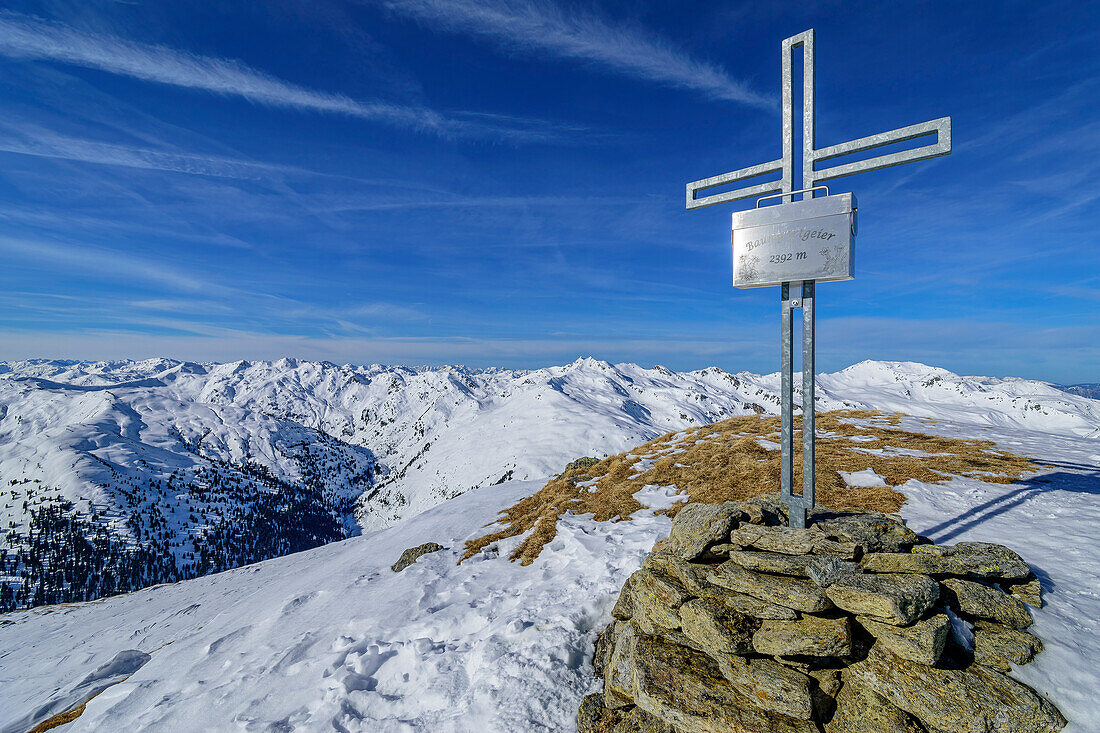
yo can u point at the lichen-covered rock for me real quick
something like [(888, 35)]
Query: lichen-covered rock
[(923, 642), (785, 540), (988, 602), (796, 593), (827, 570), (772, 562), (791, 541), (650, 598), (772, 508), (811, 636), (618, 675), (872, 531), (697, 526), (637, 720), (593, 716), (411, 555), (686, 689), (605, 644), (770, 685), (716, 628), (998, 646), (966, 559), (692, 576), (958, 700), (1028, 591), (716, 553), (749, 605), (581, 463), (903, 562), (859, 709), (897, 599), (828, 680), (751, 512), (841, 549)]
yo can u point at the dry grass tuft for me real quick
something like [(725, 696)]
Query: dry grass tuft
[(59, 720), (725, 462)]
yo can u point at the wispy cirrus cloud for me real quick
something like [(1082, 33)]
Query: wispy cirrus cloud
[(30, 38), (44, 144), (108, 263), (536, 26)]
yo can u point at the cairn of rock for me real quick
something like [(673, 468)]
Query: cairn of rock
[(737, 622)]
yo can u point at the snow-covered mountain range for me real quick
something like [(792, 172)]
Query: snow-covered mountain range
[(202, 467)]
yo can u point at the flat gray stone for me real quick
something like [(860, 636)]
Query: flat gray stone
[(697, 526), (771, 686), (715, 628), (750, 512), (617, 676), (904, 562), (958, 700), (650, 599), (897, 599), (749, 605), (692, 576), (686, 689), (1029, 591), (978, 560), (773, 562), (999, 647), (859, 709), (785, 540), (983, 601), (795, 593), (872, 531), (923, 642), (827, 570), (810, 636)]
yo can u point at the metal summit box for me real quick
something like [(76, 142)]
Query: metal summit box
[(803, 240)]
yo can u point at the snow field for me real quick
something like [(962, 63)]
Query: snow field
[(332, 639)]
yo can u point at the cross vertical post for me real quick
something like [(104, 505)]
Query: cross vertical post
[(798, 295), (773, 252)]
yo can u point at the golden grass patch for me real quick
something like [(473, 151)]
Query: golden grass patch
[(725, 462), (59, 720)]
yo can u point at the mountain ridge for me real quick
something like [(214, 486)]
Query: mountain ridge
[(175, 455)]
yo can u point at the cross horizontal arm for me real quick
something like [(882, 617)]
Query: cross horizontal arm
[(942, 146), (775, 166)]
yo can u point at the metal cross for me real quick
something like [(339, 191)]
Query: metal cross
[(801, 294)]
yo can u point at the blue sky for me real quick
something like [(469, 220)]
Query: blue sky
[(501, 183)]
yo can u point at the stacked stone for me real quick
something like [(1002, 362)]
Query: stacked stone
[(852, 625)]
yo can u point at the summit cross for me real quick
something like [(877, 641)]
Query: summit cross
[(800, 294)]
